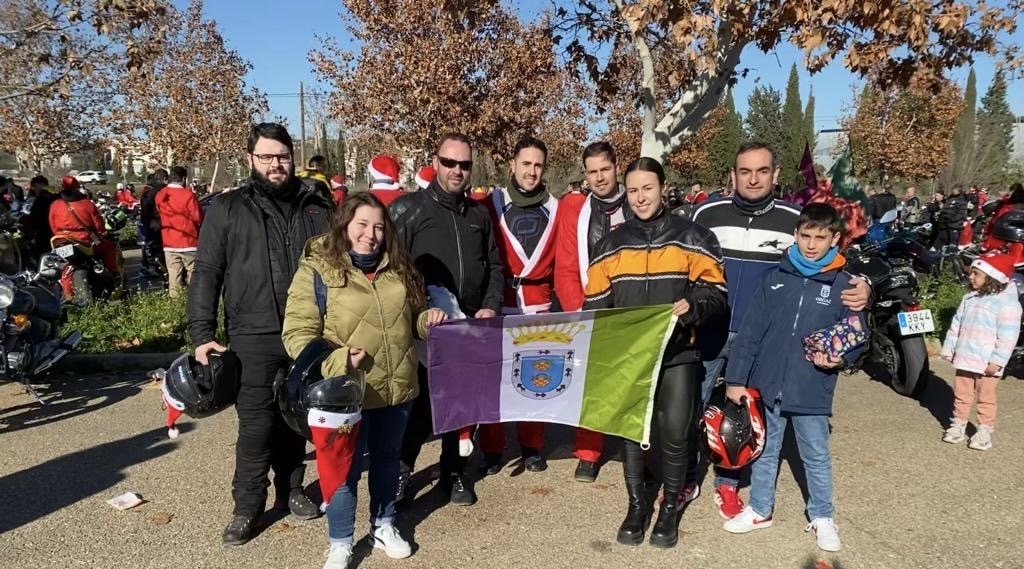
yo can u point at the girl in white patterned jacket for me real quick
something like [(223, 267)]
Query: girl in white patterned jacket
[(980, 343)]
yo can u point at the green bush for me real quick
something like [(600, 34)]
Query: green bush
[(941, 294), (144, 322), (128, 235)]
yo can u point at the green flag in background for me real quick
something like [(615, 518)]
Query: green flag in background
[(844, 185)]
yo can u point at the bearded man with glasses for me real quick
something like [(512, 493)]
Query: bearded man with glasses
[(451, 240), (249, 249)]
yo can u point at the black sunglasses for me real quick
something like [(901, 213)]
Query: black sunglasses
[(464, 165)]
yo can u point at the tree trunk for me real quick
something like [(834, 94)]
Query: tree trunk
[(213, 179)]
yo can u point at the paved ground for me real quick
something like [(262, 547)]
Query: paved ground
[(905, 499)]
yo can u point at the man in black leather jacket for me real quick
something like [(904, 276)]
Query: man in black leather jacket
[(951, 218), (451, 240), (249, 249)]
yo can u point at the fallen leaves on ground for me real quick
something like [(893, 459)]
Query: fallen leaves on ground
[(161, 518)]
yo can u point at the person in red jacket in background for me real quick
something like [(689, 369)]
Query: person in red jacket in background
[(73, 216), (697, 195), (339, 191), (424, 176), (180, 217), (584, 220), (383, 171), (1013, 201), (126, 196)]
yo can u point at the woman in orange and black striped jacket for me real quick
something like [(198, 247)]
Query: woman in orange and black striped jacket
[(660, 258)]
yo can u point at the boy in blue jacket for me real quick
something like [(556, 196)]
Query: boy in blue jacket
[(794, 300)]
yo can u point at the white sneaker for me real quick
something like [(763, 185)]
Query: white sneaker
[(982, 440), (338, 556), (825, 533), (386, 537), (747, 521), (956, 432)]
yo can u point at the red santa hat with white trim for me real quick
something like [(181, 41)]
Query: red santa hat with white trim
[(999, 266), (383, 171), (175, 409), (425, 176), (334, 436)]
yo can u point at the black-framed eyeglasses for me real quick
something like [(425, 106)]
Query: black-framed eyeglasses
[(464, 165), (269, 158)]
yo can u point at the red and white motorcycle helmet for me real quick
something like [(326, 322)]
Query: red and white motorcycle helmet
[(735, 433)]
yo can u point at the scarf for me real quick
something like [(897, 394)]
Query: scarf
[(610, 204), (520, 197), (809, 268), (366, 262), (753, 209)]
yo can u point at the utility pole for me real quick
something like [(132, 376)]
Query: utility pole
[(302, 125)]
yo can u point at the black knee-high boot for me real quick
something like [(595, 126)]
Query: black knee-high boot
[(675, 403), (631, 532)]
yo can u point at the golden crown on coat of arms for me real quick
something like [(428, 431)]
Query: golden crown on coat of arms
[(563, 333)]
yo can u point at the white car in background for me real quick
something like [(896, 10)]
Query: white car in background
[(91, 177)]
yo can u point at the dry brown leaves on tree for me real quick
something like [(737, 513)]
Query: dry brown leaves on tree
[(904, 132), (430, 67), (199, 108), (900, 42)]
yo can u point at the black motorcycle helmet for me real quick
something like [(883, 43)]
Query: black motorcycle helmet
[(1010, 226), (202, 390), (673, 198), (306, 388)]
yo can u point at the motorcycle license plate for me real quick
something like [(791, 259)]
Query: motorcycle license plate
[(916, 322), (65, 251)]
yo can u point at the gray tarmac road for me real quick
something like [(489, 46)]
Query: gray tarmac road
[(905, 499)]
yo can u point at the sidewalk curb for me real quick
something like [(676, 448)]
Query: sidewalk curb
[(94, 363)]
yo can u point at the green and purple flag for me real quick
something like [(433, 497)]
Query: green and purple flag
[(844, 184), (592, 369)]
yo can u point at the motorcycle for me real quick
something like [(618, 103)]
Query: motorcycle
[(896, 320), (31, 312), (83, 277)]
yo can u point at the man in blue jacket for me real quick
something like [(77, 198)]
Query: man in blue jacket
[(796, 383)]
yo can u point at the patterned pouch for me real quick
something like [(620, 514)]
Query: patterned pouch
[(836, 340)]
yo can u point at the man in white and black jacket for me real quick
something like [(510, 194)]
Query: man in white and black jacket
[(452, 243), (754, 230), (249, 249)]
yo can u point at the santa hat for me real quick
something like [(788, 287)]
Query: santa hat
[(425, 176), (174, 408), (334, 436), (383, 171), (337, 182), (999, 266)]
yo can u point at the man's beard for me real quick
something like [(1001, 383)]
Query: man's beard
[(270, 187)]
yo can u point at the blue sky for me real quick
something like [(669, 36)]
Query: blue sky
[(276, 38)]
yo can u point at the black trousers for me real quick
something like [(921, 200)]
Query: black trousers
[(946, 237), (675, 402), (420, 428), (265, 441)]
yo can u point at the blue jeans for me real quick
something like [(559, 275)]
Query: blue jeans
[(812, 442), (713, 369), (380, 434)]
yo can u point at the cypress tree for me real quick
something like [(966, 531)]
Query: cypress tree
[(809, 130), (995, 133), (793, 131), (764, 117)]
